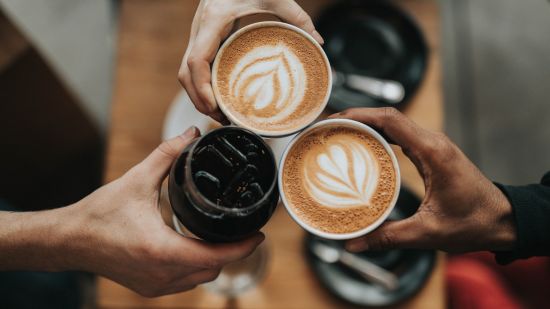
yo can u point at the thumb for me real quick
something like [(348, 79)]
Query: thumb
[(158, 163), (406, 233)]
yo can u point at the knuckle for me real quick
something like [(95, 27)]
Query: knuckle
[(168, 149), (382, 241), (211, 10), (437, 141), (192, 61), (214, 263), (203, 109), (207, 13), (149, 293), (209, 109), (182, 77), (187, 288), (160, 278), (440, 148), (387, 241), (212, 276), (350, 112), (391, 113), (265, 5), (211, 261), (302, 18)]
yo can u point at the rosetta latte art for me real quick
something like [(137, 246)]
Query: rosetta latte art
[(268, 83), (345, 174)]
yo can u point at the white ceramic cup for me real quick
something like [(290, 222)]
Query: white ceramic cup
[(368, 131), (227, 112)]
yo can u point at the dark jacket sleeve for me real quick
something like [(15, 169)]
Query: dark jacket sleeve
[(531, 207)]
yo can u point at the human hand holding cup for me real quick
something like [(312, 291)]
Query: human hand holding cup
[(339, 179), (213, 22)]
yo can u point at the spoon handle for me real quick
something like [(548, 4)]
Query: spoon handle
[(370, 271), (388, 90)]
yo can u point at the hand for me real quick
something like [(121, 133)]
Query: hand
[(119, 233), (212, 23), (462, 210)]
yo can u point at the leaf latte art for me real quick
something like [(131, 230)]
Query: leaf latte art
[(338, 178), (343, 174), (268, 82), (271, 79)]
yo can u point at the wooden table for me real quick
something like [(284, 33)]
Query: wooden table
[(152, 38)]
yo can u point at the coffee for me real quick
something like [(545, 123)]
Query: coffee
[(223, 187), (271, 78), (338, 178)]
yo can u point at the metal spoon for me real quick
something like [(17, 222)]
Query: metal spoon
[(388, 90), (365, 268)]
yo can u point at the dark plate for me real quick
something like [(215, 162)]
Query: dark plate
[(413, 267), (372, 38)]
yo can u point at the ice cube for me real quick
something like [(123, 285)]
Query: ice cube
[(256, 189), (208, 184), (216, 154), (231, 150), (247, 199)]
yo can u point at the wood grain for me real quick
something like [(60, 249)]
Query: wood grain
[(153, 36)]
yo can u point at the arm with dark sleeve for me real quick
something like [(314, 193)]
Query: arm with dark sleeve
[(531, 207)]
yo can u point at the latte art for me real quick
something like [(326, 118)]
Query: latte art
[(345, 174), (269, 82), (271, 78), (338, 178)]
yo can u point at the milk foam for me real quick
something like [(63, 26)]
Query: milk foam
[(342, 174), (270, 80)]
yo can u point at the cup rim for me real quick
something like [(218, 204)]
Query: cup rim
[(242, 124), (206, 200), (363, 231)]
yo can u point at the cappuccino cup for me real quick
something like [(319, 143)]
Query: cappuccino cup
[(271, 78), (339, 179)]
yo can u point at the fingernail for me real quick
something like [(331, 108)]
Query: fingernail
[(334, 116), (318, 37), (225, 122), (190, 132), (259, 238), (356, 246)]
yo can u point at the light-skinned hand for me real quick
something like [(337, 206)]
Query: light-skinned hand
[(213, 22), (118, 232)]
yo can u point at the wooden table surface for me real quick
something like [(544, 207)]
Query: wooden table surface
[(152, 39)]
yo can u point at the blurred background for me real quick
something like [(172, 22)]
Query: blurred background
[(495, 62), (56, 78)]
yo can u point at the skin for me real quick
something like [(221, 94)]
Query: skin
[(118, 232), (461, 211), (213, 22)]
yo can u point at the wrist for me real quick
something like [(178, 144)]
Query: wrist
[(504, 235), (52, 233), (35, 240)]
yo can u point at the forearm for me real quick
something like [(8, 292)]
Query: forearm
[(36, 240)]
